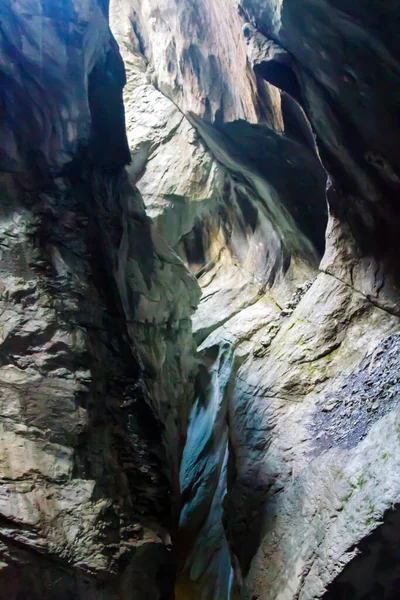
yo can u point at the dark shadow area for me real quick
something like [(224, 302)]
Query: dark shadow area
[(280, 75), (108, 143), (293, 170), (375, 573), (194, 248), (296, 123)]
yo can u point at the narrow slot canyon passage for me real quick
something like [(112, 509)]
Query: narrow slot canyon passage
[(199, 293)]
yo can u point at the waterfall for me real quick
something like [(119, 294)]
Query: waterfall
[(204, 477)]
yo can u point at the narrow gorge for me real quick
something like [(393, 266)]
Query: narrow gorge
[(200, 302)]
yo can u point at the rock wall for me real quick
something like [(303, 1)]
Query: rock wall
[(275, 450), (342, 59), (286, 467), (96, 352), (236, 199)]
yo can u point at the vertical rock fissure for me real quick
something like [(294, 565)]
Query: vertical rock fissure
[(204, 477)]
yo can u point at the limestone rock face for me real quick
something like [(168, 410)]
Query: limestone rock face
[(292, 440), (242, 204), (96, 352), (255, 165), (191, 53), (342, 66)]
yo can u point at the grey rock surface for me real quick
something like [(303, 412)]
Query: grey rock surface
[(264, 467), (96, 353), (296, 349), (343, 61), (307, 383)]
